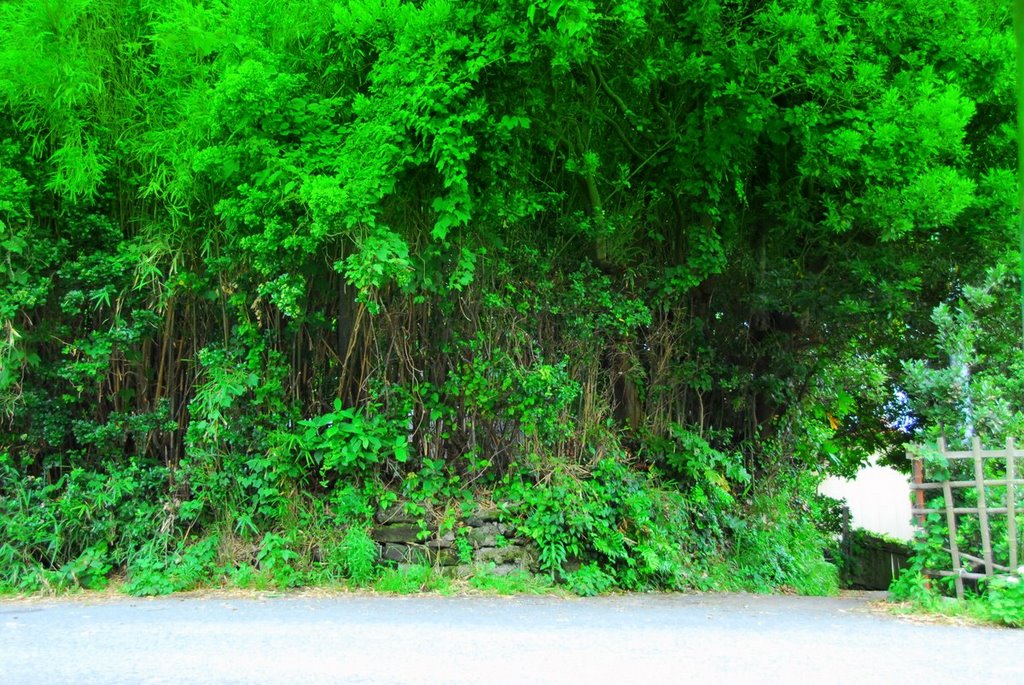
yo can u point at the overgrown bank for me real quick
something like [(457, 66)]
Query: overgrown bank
[(612, 530), (633, 272)]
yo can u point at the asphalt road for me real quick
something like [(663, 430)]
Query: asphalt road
[(427, 639)]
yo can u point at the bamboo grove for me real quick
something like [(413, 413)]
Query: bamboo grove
[(638, 270)]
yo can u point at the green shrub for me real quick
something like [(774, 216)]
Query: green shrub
[(1001, 600), (514, 583), (159, 571), (911, 586), (277, 558), (589, 580), (773, 548), (407, 580), (74, 531), (1004, 599), (358, 555)]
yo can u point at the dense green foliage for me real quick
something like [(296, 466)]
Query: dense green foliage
[(1002, 601), (635, 270), (969, 387)]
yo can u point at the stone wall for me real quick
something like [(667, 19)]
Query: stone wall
[(484, 538)]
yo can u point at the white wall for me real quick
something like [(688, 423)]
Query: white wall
[(879, 500)]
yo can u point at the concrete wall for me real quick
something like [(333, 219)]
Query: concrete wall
[(879, 500)]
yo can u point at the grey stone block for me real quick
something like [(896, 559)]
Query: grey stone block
[(444, 541), (394, 552), (502, 555), (397, 532), (484, 536), (483, 517), (408, 555)]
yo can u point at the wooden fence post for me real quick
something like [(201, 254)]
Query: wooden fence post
[(922, 530), (954, 549), (1011, 501), (986, 534), (919, 493)]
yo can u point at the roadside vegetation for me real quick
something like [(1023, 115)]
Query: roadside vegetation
[(973, 394), (639, 274), (1000, 601)]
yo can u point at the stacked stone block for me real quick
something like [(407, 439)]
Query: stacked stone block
[(493, 544)]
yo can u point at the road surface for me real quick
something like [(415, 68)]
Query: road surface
[(318, 638)]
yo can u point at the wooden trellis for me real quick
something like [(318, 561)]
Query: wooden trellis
[(979, 456)]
